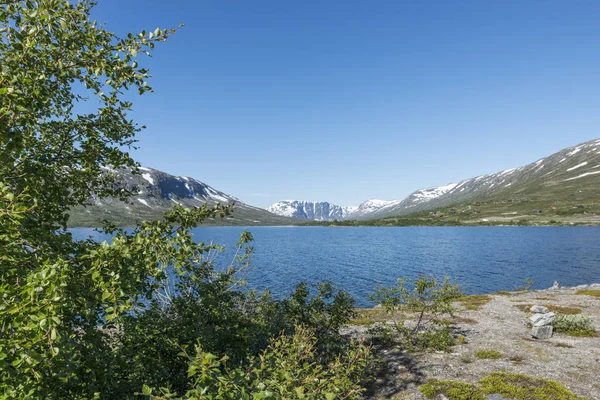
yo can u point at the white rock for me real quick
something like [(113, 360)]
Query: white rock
[(542, 332), (547, 319), (538, 309)]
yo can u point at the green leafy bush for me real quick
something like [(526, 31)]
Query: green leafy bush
[(290, 368), (87, 319), (574, 325), (429, 301)]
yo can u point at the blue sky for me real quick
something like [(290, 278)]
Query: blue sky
[(348, 100)]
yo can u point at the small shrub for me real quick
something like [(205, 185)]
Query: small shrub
[(289, 368), (474, 302), (429, 300), (574, 325), (517, 359), (523, 387), (565, 345), (452, 389), (488, 354), (503, 293), (526, 287), (588, 292)]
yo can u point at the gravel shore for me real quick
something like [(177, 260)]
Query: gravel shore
[(501, 325)]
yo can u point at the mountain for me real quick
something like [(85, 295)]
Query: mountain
[(320, 211), (572, 174), (158, 192)]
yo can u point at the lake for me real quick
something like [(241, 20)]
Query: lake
[(481, 259)]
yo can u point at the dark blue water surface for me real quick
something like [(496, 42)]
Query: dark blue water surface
[(482, 259)]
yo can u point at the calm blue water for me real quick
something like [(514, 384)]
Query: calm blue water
[(482, 259)]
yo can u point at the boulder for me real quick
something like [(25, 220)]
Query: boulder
[(542, 332), (546, 319), (535, 318), (538, 309)]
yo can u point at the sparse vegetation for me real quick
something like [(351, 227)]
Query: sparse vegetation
[(526, 287), (517, 359), (589, 292), (574, 325), (564, 310), (514, 386), (564, 345), (523, 387), (430, 301), (489, 354), (475, 301), (452, 389)]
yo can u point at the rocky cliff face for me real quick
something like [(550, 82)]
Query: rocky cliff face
[(319, 211)]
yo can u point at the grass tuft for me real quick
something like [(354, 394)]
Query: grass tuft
[(474, 302), (489, 354), (523, 387), (453, 390), (589, 292)]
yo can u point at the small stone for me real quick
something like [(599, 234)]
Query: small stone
[(542, 332), (535, 318), (547, 319), (538, 309), (496, 396)]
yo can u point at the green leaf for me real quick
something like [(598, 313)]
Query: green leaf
[(146, 390)]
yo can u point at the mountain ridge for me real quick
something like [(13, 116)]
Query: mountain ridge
[(556, 173), (316, 211), (157, 192)]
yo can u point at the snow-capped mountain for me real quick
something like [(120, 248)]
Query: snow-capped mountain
[(561, 175), (318, 211), (372, 206), (157, 192)]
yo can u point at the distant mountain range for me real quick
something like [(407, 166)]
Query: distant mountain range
[(320, 211), (568, 175), (571, 175), (158, 192)]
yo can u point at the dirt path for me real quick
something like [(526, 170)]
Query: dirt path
[(501, 325)]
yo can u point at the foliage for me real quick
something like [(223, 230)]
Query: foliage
[(290, 368), (523, 387), (574, 325), (453, 390), (88, 319), (227, 323), (489, 354), (430, 301), (63, 117), (526, 287)]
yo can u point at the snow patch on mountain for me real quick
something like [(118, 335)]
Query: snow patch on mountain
[(318, 211)]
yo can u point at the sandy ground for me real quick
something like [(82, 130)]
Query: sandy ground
[(500, 325)]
